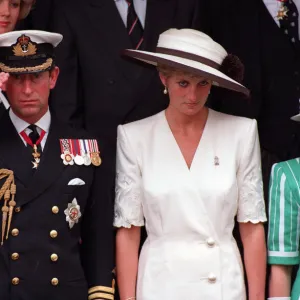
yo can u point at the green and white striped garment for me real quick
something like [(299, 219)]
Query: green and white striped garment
[(284, 217)]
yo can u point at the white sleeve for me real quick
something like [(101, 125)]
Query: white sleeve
[(251, 205), (128, 201)]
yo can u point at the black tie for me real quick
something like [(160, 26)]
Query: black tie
[(289, 23), (34, 136), (134, 26)]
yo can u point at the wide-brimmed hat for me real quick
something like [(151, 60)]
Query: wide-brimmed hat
[(194, 52), (27, 51)]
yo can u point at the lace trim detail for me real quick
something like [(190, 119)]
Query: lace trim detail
[(128, 204), (251, 199)]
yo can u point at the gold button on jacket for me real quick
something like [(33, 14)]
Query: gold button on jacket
[(55, 209), (53, 234), (54, 281), (15, 281), (54, 257), (15, 232), (15, 256)]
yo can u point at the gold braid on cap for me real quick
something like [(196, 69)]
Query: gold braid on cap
[(41, 67), (8, 190)]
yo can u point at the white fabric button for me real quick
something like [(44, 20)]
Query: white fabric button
[(212, 278), (210, 242)]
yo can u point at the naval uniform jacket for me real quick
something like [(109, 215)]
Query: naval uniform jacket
[(84, 253)]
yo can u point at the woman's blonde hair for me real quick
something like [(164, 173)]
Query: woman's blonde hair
[(168, 71), (25, 7)]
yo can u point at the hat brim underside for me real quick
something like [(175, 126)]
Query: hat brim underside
[(189, 66), (27, 66)]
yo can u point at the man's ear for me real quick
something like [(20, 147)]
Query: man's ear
[(53, 77)]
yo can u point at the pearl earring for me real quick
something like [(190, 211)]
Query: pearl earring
[(165, 91)]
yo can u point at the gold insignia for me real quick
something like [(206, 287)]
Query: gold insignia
[(24, 46), (8, 192), (39, 68)]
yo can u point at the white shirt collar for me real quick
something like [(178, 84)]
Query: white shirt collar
[(43, 123), (4, 100)]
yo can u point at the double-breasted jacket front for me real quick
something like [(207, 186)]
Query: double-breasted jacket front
[(44, 257)]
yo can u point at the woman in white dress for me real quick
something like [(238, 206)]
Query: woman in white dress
[(185, 173)]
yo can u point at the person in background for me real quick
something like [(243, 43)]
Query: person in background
[(39, 17), (284, 233), (265, 35), (98, 89)]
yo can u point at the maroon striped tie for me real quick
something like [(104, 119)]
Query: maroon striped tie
[(134, 26)]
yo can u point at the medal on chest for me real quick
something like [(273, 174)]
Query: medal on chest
[(80, 152), (36, 154), (95, 153), (67, 152), (73, 213), (283, 10)]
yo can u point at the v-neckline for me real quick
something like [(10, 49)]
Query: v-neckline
[(198, 148)]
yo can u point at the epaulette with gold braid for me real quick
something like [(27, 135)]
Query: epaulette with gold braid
[(8, 190)]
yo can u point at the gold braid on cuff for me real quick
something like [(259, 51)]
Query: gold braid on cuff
[(102, 292), (101, 296)]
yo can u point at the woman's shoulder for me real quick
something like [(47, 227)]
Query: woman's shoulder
[(222, 117), (233, 124), (143, 125), (291, 164)]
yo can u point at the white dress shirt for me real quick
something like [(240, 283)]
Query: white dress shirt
[(273, 7), (42, 124), (139, 6)]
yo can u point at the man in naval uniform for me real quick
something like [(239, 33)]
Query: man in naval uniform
[(55, 187)]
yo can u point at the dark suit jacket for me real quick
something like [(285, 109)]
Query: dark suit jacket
[(272, 67), (98, 88), (78, 267)]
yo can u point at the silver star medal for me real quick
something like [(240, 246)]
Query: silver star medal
[(73, 213)]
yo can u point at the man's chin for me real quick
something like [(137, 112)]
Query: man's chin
[(28, 112)]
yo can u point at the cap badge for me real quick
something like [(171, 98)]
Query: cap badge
[(24, 46), (73, 213)]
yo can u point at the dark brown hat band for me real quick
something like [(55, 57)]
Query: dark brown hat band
[(189, 56), (155, 60)]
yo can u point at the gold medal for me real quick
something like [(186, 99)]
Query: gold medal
[(95, 158)]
